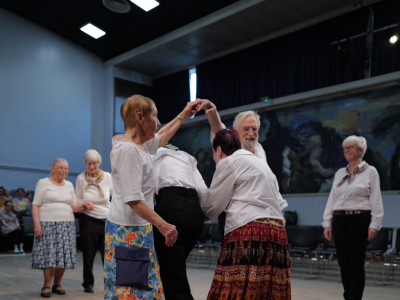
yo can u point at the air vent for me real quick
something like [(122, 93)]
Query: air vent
[(118, 6)]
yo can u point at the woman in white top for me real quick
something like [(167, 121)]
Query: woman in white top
[(95, 186), (54, 245), (353, 214), (254, 259), (131, 215)]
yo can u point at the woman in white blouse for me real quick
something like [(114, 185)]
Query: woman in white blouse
[(95, 186), (353, 214), (254, 259), (129, 232), (54, 245)]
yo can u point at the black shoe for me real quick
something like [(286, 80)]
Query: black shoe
[(88, 289), (60, 291), (45, 295)]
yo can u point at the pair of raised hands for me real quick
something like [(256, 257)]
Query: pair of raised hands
[(194, 107)]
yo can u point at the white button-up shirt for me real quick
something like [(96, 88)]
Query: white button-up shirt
[(364, 193), (100, 202), (177, 168), (133, 179), (258, 150), (245, 188)]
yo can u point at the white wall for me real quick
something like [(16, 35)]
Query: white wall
[(56, 100), (51, 101)]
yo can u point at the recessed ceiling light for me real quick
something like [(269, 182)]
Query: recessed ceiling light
[(393, 39), (146, 4), (93, 31)]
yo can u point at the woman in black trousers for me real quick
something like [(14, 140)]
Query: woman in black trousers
[(178, 186), (93, 186), (353, 214)]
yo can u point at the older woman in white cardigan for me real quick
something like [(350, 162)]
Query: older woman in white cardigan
[(353, 214), (94, 186)]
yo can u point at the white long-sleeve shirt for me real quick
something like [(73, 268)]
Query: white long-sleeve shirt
[(133, 179), (177, 168), (55, 201), (258, 150), (245, 188), (364, 193), (100, 202)]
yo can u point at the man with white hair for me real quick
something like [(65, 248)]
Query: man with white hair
[(246, 123)]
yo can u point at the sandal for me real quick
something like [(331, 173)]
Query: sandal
[(45, 295), (58, 291)]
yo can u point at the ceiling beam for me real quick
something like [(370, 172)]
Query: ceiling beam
[(324, 17), (173, 35)]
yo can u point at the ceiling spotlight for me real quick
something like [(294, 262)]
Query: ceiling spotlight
[(118, 6), (393, 39), (93, 31), (146, 4)]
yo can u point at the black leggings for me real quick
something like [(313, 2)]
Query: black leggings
[(18, 235)]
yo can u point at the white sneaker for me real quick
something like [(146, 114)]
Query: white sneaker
[(16, 251), (22, 252)]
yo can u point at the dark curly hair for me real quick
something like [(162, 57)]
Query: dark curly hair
[(228, 140), (21, 189)]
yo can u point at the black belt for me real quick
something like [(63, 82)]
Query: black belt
[(177, 191)]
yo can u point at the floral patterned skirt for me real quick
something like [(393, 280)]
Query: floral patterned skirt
[(56, 248), (253, 263), (140, 236)]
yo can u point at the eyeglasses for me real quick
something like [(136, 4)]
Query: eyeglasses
[(247, 129), (349, 148)]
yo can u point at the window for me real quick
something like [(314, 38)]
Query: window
[(193, 84)]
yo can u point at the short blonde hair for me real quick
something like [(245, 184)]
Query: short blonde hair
[(243, 115), (57, 160), (359, 140), (92, 155), (133, 105)]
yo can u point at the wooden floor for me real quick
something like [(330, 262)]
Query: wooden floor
[(18, 281)]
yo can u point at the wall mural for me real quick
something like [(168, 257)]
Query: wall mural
[(304, 143)]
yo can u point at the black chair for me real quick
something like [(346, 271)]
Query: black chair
[(289, 233), (392, 259), (209, 241), (377, 247), (305, 238), (205, 234), (29, 229), (304, 242), (215, 234)]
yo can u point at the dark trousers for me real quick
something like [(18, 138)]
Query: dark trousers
[(18, 236), (351, 238), (178, 206), (92, 239)]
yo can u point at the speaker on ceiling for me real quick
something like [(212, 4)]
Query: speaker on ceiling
[(118, 6)]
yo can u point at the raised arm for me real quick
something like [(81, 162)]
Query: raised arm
[(169, 130), (212, 114)]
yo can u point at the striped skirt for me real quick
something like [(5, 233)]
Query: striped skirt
[(127, 236), (253, 263)]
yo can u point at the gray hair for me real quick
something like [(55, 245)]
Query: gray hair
[(55, 162), (243, 115), (359, 140), (92, 155)]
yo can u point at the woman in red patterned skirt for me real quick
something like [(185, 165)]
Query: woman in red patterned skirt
[(254, 259)]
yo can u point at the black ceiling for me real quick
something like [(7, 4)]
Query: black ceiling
[(123, 31)]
